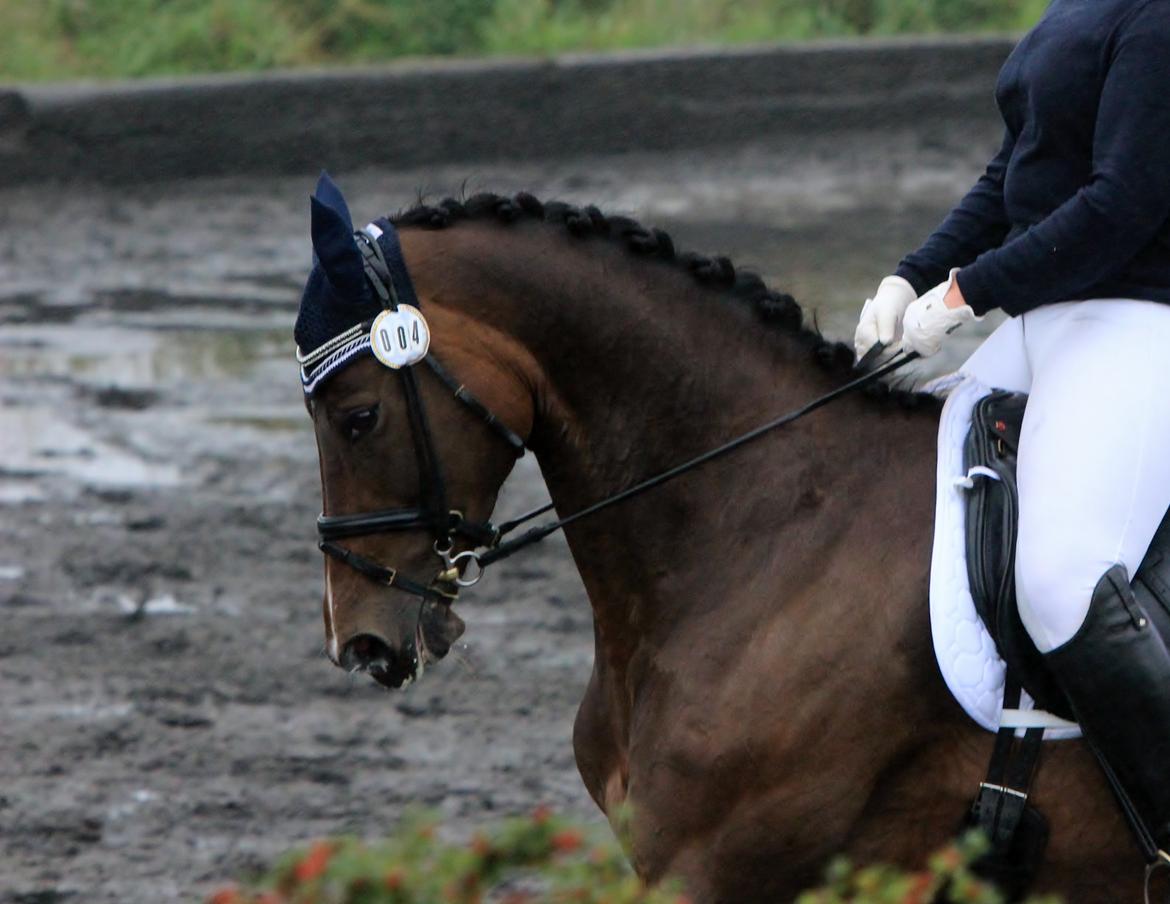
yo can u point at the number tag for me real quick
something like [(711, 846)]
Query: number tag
[(400, 338)]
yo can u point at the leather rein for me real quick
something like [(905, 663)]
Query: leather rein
[(446, 524)]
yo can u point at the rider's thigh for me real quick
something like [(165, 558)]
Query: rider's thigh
[(1001, 360), (1094, 457)]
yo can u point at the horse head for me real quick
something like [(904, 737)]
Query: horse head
[(408, 476)]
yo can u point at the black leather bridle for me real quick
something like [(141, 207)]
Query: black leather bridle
[(465, 568), (432, 513)]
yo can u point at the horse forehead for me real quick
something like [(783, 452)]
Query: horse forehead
[(362, 376)]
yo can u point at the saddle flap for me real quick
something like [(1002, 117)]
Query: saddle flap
[(992, 528)]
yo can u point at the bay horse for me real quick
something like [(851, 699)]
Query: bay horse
[(764, 694)]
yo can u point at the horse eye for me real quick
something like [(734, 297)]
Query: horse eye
[(360, 422)]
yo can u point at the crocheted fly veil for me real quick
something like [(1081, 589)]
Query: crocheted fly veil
[(339, 304)]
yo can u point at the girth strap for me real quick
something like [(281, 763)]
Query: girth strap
[(1004, 793), (1017, 833)]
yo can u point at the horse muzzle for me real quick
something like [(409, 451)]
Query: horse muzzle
[(396, 665)]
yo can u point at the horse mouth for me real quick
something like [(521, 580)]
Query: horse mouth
[(435, 631), (393, 678)]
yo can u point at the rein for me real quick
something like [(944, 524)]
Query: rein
[(502, 550), (382, 260)]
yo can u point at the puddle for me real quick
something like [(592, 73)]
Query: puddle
[(41, 443), (163, 604), (84, 712), (124, 356), (18, 493), (129, 807), (103, 400)]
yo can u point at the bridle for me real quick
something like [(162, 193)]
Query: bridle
[(432, 513), (382, 260)]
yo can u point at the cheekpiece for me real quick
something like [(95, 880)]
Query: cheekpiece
[(340, 301)]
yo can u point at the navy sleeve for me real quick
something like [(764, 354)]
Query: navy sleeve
[(977, 224), (1094, 234)]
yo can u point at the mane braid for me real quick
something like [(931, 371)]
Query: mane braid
[(778, 309)]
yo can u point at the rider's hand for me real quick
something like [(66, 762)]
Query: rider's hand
[(929, 319), (881, 317)]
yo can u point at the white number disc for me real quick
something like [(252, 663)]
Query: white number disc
[(400, 338)]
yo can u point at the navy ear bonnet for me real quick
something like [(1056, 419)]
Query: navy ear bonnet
[(340, 301)]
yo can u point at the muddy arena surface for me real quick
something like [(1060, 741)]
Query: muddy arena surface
[(168, 718)]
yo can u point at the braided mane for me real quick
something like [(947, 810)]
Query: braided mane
[(778, 309)]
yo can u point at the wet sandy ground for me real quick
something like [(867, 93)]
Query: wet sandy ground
[(167, 718)]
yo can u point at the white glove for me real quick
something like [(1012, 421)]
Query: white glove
[(928, 320), (881, 316)]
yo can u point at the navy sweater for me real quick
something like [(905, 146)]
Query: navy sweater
[(1076, 204)]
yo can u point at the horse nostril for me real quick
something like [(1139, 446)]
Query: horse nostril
[(364, 651)]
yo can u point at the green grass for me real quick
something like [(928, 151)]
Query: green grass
[(67, 39)]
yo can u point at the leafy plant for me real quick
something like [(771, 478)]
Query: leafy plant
[(523, 861), (546, 859)]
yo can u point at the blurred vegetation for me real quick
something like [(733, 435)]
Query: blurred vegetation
[(62, 39), (546, 859)]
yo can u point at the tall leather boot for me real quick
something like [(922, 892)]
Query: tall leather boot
[(1116, 673)]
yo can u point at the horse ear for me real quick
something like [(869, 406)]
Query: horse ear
[(330, 195), (335, 249)]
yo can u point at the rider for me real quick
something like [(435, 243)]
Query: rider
[(1068, 231)]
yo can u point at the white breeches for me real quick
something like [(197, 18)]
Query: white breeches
[(1094, 457)]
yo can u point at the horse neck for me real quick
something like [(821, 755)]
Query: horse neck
[(638, 368)]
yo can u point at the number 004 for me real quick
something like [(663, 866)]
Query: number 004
[(404, 341)]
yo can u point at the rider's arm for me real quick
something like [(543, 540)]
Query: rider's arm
[(1093, 235), (977, 224)]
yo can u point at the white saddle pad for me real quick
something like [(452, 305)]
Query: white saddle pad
[(967, 656)]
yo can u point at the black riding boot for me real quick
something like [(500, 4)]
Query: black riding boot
[(1116, 674)]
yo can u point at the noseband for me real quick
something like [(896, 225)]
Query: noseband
[(382, 258), (432, 513)]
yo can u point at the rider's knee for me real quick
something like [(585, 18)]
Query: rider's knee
[(1053, 591)]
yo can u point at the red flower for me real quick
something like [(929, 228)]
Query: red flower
[(395, 879), (566, 841), (313, 864), (542, 814), (950, 858), (922, 886), (229, 895)]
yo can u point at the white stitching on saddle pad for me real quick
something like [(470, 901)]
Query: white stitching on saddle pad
[(967, 657)]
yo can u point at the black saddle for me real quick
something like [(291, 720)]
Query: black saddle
[(992, 524)]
